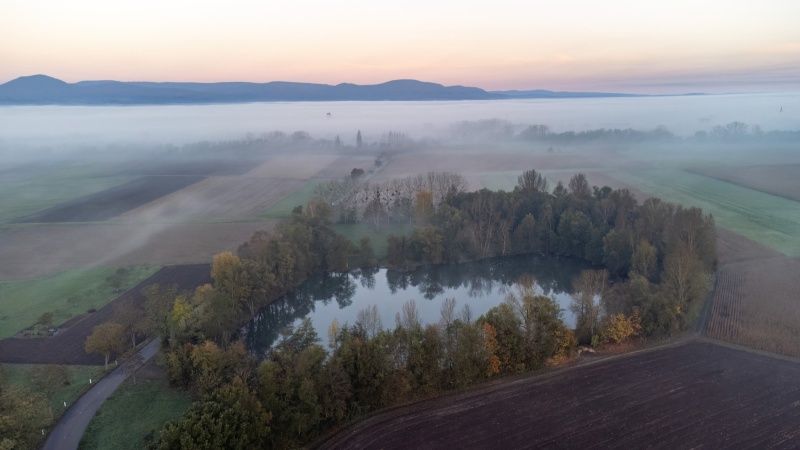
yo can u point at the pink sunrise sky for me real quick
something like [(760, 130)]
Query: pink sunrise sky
[(614, 46)]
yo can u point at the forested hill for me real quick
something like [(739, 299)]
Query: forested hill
[(45, 90), (41, 89)]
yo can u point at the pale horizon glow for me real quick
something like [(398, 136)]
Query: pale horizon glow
[(613, 46)]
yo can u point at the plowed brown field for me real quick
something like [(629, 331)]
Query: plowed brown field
[(696, 395)]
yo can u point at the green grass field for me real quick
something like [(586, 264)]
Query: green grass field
[(768, 219), (20, 198), (132, 413), (64, 294), (78, 377), (283, 209)]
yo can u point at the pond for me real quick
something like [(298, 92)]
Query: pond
[(341, 296)]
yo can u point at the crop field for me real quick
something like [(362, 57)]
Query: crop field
[(224, 198), (294, 166), (196, 167), (67, 346), (765, 218), (36, 189), (694, 395), (781, 180), (65, 295), (756, 304), (111, 202), (32, 252)]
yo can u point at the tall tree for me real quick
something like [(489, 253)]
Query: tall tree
[(106, 339), (132, 317), (158, 309), (232, 418), (579, 187), (532, 181), (589, 289)]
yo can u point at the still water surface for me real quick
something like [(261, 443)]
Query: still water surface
[(341, 296)]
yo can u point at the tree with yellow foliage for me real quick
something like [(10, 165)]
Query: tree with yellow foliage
[(620, 327)]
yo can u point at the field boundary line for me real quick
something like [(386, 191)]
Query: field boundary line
[(747, 349)]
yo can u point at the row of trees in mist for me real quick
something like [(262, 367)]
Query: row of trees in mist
[(502, 130), (396, 201), (661, 256)]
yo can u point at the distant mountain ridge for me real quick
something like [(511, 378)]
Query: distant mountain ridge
[(45, 90)]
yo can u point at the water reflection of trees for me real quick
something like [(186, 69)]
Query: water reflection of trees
[(481, 278), (553, 275), (266, 326)]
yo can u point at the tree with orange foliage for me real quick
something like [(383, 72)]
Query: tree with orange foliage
[(492, 346)]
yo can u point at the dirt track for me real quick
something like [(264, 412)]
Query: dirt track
[(694, 395), (67, 347)]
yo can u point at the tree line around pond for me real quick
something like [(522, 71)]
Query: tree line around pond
[(653, 267)]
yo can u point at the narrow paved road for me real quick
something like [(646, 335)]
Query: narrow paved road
[(67, 433)]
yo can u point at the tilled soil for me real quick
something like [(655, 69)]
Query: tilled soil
[(699, 394)]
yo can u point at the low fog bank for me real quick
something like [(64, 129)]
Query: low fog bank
[(466, 137), (32, 127)]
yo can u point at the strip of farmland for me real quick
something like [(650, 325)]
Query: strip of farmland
[(782, 180), (30, 252), (111, 202), (216, 197), (694, 395)]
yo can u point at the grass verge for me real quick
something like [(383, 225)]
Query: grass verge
[(133, 414), (60, 384), (64, 294)]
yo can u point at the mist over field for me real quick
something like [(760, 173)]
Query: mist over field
[(23, 128)]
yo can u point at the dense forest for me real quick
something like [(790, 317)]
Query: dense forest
[(653, 267)]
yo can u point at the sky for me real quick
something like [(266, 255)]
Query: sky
[(612, 46)]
